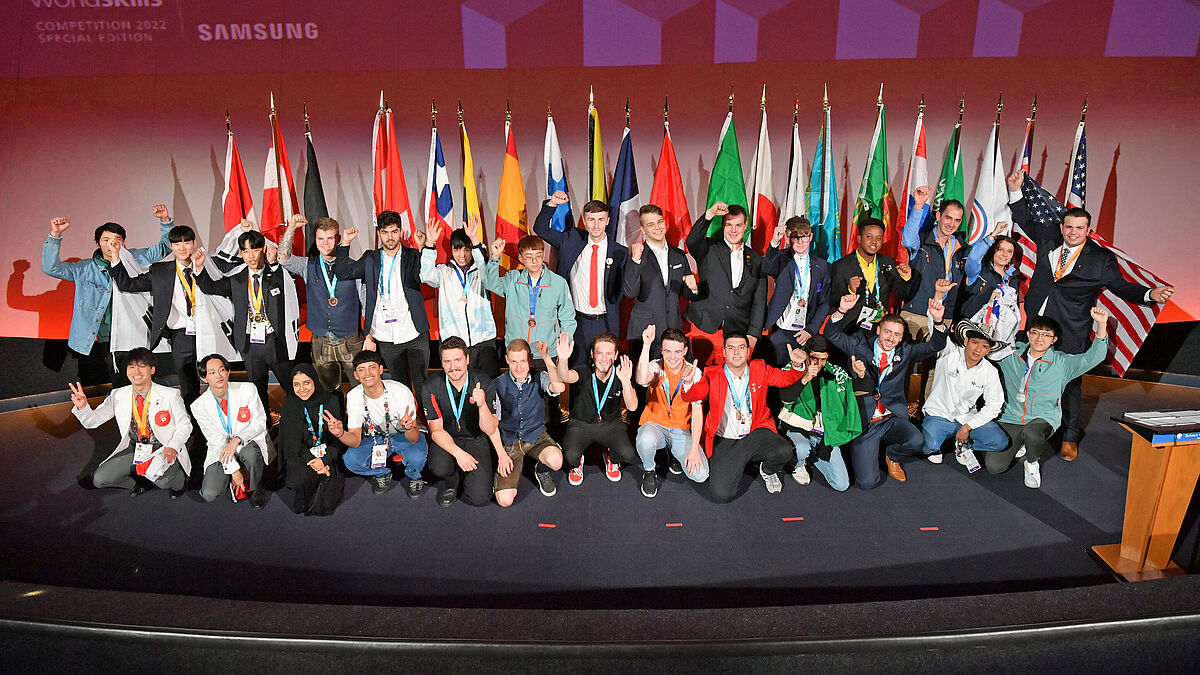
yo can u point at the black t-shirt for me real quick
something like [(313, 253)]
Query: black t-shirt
[(583, 403), (435, 400)]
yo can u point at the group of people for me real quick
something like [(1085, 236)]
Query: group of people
[(842, 340)]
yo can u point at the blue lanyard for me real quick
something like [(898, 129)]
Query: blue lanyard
[(316, 435), (226, 422), (391, 271), (745, 393), (666, 385), (463, 275), (534, 293), (607, 390), (331, 279), (798, 283), (462, 399)]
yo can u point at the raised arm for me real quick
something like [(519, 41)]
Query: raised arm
[(52, 263), (911, 237), (541, 224)]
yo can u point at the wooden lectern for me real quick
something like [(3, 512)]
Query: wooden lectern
[(1163, 467)]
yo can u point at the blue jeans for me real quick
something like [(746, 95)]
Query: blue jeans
[(987, 438), (834, 470), (413, 453), (651, 437)]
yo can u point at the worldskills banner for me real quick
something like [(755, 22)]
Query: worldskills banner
[(112, 106)]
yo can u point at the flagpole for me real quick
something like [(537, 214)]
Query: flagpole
[(1083, 115), (307, 130), (824, 151), (278, 167), (731, 99), (433, 114), (228, 127), (626, 112)]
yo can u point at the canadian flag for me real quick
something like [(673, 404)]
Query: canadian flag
[(236, 201), (278, 209), (390, 191)]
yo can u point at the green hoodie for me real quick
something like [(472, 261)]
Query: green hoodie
[(839, 412), (1051, 373)]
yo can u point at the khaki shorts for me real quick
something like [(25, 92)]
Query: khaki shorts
[(516, 452)]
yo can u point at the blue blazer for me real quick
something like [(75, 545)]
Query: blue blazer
[(778, 263), (367, 268), (570, 244)]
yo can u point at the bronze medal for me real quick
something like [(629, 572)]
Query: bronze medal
[(532, 322), (333, 302)]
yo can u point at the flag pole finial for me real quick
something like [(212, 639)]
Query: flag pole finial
[(460, 112), (591, 97), (507, 110), (548, 114), (962, 105), (228, 126), (825, 101), (433, 112), (762, 103), (304, 104), (626, 111), (272, 103), (999, 106), (1083, 114), (666, 110), (796, 111), (731, 98), (1033, 110), (381, 104), (921, 105), (879, 100)]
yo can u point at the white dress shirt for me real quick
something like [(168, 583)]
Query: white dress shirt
[(581, 275), (391, 288), (736, 263), (177, 317), (660, 256), (795, 315), (730, 427)]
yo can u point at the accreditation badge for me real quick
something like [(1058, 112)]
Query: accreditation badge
[(379, 456)]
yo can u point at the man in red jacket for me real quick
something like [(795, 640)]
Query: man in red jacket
[(738, 426)]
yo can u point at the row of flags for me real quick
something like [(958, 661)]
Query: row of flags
[(816, 197)]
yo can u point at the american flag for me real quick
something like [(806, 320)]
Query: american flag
[(1133, 322), (1077, 193)]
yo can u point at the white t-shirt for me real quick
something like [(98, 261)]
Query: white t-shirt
[(400, 402)]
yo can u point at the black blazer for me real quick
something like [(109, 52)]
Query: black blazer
[(719, 305), (893, 388), (159, 281), (570, 244), (236, 288), (778, 264), (1069, 299), (655, 303), (889, 281), (367, 268)]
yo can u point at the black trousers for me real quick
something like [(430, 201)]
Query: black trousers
[(408, 362), (184, 357), (1072, 404), (316, 495), (612, 435), (730, 457), (99, 366), (586, 328), (476, 484), (485, 358), (263, 359)]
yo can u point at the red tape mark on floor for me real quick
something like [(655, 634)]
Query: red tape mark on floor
[(549, 525), (792, 518), (929, 529), (674, 524)]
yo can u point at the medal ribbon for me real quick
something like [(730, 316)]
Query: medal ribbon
[(189, 289), (607, 390), (223, 415), (534, 292), (745, 393), (457, 408), (316, 435), (1061, 270), (141, 416), (330, 278)]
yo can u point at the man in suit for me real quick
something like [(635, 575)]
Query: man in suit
[(800, 302), (259, 325), (732, 295), (888, 358), (656, 281), (154, 426), (172, 288), (869, 275), (1071, 272), (394, 320), (739, 427), (234, 424), (591, 261)]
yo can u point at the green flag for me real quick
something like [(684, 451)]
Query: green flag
[(726, 184), (950, 185), (875, 193)]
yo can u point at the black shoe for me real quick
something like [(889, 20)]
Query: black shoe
[(176, 494), (380, 484), (415, 487), (649, 484), (674, 466), (447, 496), (137, 489), (258, 498), (545, 483)]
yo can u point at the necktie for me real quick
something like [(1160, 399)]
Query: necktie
[(883, 362), (257, 286), (142, 431), (1062, 258), (191, 285), (225, 407), (593, 283)]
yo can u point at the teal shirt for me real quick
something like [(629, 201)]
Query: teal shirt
[(555, 312), (1051, 373)]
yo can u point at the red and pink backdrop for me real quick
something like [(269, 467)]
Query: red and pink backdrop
[(110, 106)]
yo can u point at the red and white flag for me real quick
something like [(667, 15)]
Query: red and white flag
[(918, 175), (274, 217), (236, 201), (390, 191), (795, 200), (439, 206), (764, 213)]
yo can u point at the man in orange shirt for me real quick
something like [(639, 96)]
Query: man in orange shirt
[(667, 420)]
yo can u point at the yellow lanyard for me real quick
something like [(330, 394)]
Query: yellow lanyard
[(948, 251), (256, 300), (188, 289), (869, 271), (142, 418), (1061, 270)]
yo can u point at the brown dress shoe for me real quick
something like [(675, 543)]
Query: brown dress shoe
[(895, 470), (1069, 451)]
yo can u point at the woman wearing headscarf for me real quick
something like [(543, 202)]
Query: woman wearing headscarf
[(311, 453)]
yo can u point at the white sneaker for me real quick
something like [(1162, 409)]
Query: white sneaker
[(1033, 475), (800, 475), (935, 458), (1020, 453), (774, 486)]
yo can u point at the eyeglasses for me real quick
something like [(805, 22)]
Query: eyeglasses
[(1042, 333), (799, 237)]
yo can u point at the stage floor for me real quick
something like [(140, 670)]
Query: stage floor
[(942, 533)]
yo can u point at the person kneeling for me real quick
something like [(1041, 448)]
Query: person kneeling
[(739, 428), (820, 414), (381, 424), (463, 439), (309, 447), (963, 376), (668, 421), (517, 401), (154, 426), (234, 423)]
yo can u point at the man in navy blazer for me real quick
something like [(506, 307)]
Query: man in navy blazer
[(888, 359), (800, 302), (657, 276), (394, 309), (591, 261)]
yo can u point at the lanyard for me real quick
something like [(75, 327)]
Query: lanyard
[(1061, 270), (256, 300), (607, 390), (666, 385), (870, 274), (316, 435), (745, 393), (142, 419), (463, 275), (226, 422), (330, 278), (534, 292), (188, 289), (457, 408), (391, 270), (799, 283), (387, 416), (1028, 371), (948, 252)]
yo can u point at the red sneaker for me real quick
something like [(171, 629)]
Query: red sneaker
[(575, 477), (611, 469)]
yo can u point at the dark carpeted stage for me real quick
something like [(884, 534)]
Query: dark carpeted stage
[(944, 534)]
